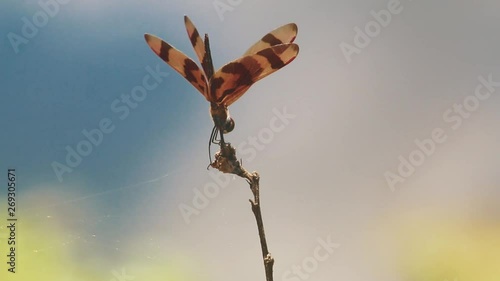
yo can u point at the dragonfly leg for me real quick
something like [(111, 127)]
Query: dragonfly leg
[(221, 137), (214, 140), (213, 136)]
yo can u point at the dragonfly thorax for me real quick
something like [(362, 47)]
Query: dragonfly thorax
[(222, 119)]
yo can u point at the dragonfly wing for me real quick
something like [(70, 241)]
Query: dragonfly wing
[(231, 81), (199, 47), (281, 35), (180, 62)]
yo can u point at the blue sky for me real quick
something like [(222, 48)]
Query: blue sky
[(323, 174), (65, 80)]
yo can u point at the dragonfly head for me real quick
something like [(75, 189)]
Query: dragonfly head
[(229, 125)]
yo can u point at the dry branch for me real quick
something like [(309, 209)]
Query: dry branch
[(226, 162)]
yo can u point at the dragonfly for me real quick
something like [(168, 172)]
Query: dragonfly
[(223, 87)]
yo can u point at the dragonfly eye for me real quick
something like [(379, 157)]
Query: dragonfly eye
[(229, 126)]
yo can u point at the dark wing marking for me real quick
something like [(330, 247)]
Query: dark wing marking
[(180, 62), (231, 81), (281, 35)]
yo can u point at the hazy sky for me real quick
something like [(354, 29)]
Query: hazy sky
[(378, 86)]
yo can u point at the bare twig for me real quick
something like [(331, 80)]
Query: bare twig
[(226, 162)]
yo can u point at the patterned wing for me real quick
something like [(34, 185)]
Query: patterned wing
[(198, 45), (180, 62), (281, 35), (231, 81)]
